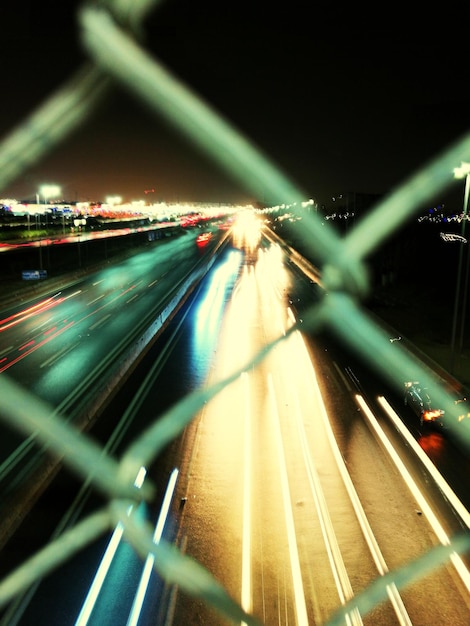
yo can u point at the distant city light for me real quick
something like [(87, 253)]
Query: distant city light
[(453, 237)]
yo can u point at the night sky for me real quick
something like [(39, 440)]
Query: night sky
[(343, 99)]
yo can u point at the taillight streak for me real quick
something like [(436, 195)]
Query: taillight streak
[(12, 320), (431, 416), (26, 345), (50, 330), (50, 334), (35, 347)]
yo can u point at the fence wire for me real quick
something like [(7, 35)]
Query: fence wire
[(110, 32)]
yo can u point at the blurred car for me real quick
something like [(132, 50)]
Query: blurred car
[(203, 239), (419, 401)]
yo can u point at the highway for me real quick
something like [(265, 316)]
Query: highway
[(297, 486), (312, 508), (70, 348)]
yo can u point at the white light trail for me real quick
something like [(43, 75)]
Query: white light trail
[(299, 594), (246, 596), (335, 558), (103, 569), (340, 575), (416, 492), (425, 460), (31, 311), (100, 576), (136, 609)]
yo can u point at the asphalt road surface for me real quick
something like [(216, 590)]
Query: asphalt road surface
[(298, 486)]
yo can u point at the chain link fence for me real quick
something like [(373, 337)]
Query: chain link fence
[(109, 33)]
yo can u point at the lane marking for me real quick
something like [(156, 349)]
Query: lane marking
[(100, 322)]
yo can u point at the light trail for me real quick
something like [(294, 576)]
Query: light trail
[(25, 314), (246, 595), (376, 553), (429, 465), (338, 569), (26, 345), (416, 492), (49, 337), (299, 594), (103, 569), (139, 598), (35, 347)]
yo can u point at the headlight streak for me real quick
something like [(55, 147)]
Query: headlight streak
[(49, 334), (103, 569), (425, 460), (139, 598), (299, 594), (271, 277), (25, 314), (338, 568), (214, 300), (415, 491), (208, 314), (330, 541), (246, 592)]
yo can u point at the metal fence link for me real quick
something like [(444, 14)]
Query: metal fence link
[(51, 123), (111, 34), (403, 202), (119, 55)]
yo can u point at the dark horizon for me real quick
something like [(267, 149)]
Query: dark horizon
[(340, 98)]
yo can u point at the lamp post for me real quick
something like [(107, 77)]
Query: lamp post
[(461, 172), (37, 225), (79, 222), (47, 191)]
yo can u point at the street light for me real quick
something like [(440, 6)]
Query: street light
[(47, 191), (461, 172), (113, 200), (79, 222)]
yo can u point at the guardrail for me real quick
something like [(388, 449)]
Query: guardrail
[(107, 35)]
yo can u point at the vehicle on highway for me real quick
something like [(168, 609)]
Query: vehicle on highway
[(419, 400), (203, 239)]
